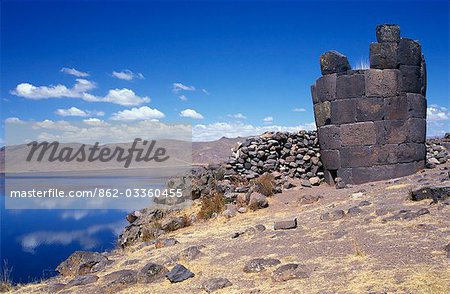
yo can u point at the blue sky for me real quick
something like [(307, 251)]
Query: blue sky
[(229, 68)]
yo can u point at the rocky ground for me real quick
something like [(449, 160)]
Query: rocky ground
[(369, 238)]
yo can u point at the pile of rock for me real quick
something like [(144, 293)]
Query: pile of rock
[(295, 155), (438, 151)]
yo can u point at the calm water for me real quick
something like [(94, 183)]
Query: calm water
[(34, 242)]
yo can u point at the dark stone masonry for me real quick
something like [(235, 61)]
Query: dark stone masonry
[(372, 122)]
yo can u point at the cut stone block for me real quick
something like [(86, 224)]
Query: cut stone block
[(326, 88), (350, 86), (398, 153), (343, 111), (329, 137), (369, 109), (383, 55), (333, 62), (381, 83), (396, 108), (314, 94), (417, 105), (354, 156), (409, 52), (362, 133), (322, 113), (423, 77), (391, 131), (388, 33), (410, 79), (330, 159), (417, 130)]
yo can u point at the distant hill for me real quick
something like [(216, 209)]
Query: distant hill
[(215, 151)]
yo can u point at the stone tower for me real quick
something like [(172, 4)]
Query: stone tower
[(372, 122)]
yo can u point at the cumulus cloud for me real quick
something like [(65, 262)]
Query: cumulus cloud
[(435, 113), (210, 132), (237, 116), (183, 97), (14, 120), (127, 75), (74, 111), (191, 113), (95, 122), (74, 72), (177, 87), (141, 113), (299, 110), (125, 97), (268, 120)]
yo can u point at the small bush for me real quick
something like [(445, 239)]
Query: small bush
[(265, 184), (211, 205)]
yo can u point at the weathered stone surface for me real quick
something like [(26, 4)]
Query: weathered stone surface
[(215, 284), (326, 88), (333, 62), (394, 153), (165, 242), (417, 129), (257, 201), (391, 131), (260, 264), (388, 33), (383, 172), (119, 280), (332, 215), (309, 199), (354, 211), (329, 137), (343, 111), (331, 159), (82, 280), (423, 77), (435, 193), (350, 86), (396, 108), (353, 156), (369, 109), (383, 55), (151, 273), (410, 79), (190, 253), (314, 94), (288, 272), (322, 113), (417, 105), (82, 262), (362, 133), (285, 225), (409, 52), (179, 273), (381, 83)]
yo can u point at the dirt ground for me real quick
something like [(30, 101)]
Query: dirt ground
[(361, 253)]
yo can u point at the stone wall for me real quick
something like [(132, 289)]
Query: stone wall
[(372, 122), (295, 155)]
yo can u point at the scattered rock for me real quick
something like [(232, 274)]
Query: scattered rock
[(357, 195), (447, 249), (364, 203), (315, 181), (173, 223), (260, 228), (166, 242), (190, 253), (354, 210), (285, 225), (339, 183), (242, 210), (130, 262), (119, 280), (407, 215), (179, 273), (260, 264), (288, 272), (51, 288), (151, 273), (435, 193), (257, 201), (309, 199), (82, 280), (332, 215), (215, 284), (82, 262), (306, 183)]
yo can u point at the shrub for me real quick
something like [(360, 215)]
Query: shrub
[(265, 184), (211, 205)]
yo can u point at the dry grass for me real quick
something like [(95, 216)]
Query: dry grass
[(265, 184), (211, 205), (5, 279)]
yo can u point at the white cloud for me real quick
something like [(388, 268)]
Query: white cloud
[(299, 110), (191, 113), (268, 119), (217, 130), (73, 111), (205, 91), (141, 113), (127, 75), (177, 87), (95, 122), (74, 72), (237, 116), (435, 112), (183, 97), (14, 120), (125, 97)]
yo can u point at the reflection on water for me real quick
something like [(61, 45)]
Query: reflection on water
[(34, 242)]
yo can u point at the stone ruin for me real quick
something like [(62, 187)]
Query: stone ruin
[(372, 122)]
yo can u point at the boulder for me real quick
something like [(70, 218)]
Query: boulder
[(81, 263), (333, 62), (179, 273), (215, 284)]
